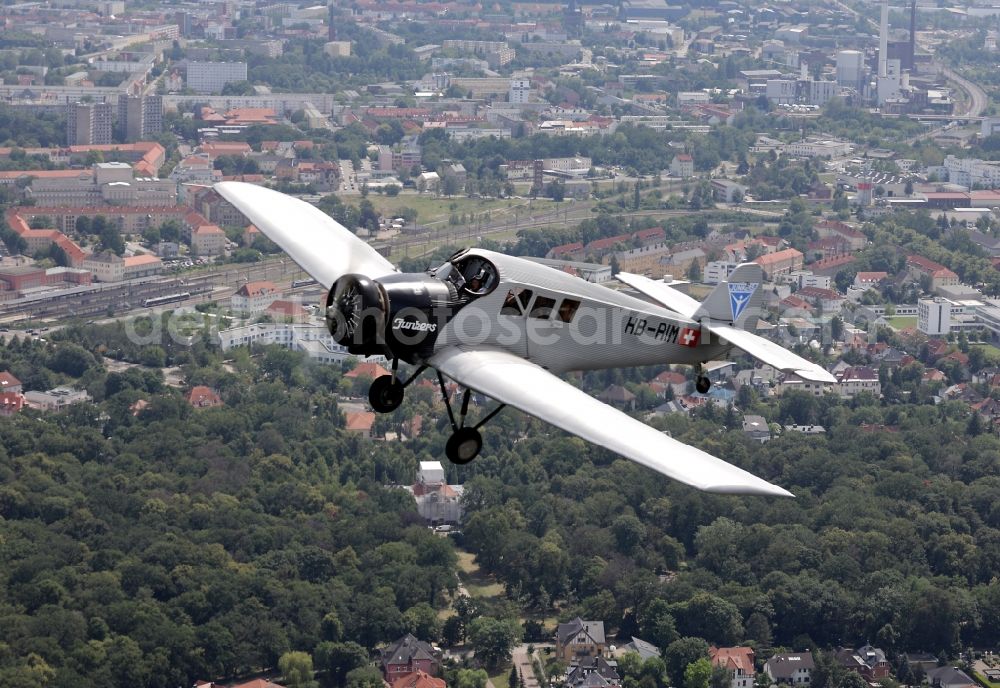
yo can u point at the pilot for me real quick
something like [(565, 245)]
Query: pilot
[(477, 284)]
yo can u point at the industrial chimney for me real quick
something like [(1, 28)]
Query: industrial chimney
[(883, 40)]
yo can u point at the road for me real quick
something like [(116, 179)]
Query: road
[(522, 661), (977, 96)]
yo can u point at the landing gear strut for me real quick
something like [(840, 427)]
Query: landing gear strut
[(465, 442), (386, 393)]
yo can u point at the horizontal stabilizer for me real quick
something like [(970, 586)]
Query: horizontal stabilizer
[(662, 293), (772, 354)]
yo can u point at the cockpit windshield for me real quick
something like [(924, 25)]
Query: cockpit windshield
[(472, 276)]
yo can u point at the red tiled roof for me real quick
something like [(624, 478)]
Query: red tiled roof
[(567, 248), (261, 288), (929, 266), (200, 395), (418, 679), (141, 259), (11, 402), (779, 256), (733, 658), (871, 276), (367, 369), (610, 242), (360, 420), (7, 380)]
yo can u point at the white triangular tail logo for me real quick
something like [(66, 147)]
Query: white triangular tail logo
[(739, 297)]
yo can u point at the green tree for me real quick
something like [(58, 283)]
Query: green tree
[(682, 652), (698, 673), (335, 660), (494, 639), (364, 677), (297, 670)]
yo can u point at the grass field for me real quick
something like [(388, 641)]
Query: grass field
[(900, 322), (477, 583), (993, 356), (431, 209)]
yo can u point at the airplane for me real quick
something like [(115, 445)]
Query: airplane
[(506, 327)]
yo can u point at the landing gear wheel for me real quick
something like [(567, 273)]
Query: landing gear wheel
[(385, 394), (463, 446), (702, 384)]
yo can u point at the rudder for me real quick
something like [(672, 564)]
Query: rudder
[(737, 300)]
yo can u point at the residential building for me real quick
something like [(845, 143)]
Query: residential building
[(794, 382), (11, 403), (939, 276), (934, 316), (313, 339), (407, 655), (949, 677), (140, 116), (867, 661), (738, 661), (792, 669), (682, 166), (645, 650), (578, 638), (208, 240), (212, 77), (869, 280), (9, 383), (89, 124), (718, 271), (106, 267), (969, 172), (253, 298), (756, 428), (593, 672), (520, 91), (418, 679), (201, 396), (857, 379), (780, 262), (360, 423)]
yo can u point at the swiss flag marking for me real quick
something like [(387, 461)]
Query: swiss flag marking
[(689, 337)]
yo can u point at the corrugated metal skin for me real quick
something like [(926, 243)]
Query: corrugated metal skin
[(598, 337)]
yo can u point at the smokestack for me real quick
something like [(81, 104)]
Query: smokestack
[(913, 35), (883, 40)]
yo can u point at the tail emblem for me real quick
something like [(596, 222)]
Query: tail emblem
[(739, 297)]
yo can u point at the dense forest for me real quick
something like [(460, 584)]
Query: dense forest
[(152, 547)]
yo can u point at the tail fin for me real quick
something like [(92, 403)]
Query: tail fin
[(736, 301)]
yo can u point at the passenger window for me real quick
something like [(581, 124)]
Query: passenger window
[(542, 307), (524, 297), (510, 306), (567, 309)]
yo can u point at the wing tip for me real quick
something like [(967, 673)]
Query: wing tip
[(764, 489)]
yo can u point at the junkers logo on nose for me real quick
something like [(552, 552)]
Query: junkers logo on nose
[(413, 325)]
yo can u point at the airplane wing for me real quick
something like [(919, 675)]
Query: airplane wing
[(772, 354), (519, 383), (666, 295), (319, 244)]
